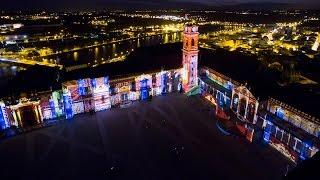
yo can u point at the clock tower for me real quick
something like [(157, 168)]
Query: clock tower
[(190, 57)]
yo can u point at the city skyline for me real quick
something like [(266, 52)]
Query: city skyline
[(127, 4)]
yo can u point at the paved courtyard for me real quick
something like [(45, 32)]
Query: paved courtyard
[(171, 137)]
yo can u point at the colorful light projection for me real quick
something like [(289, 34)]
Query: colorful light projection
[(280, 112), (3, 116), (156, 84), (67, 104), (144, 89), (78, 107), (190, 57), (219, 79), (144, 84), (26, 113), (267, 132), (83, 87), (101, 93), (286, 143), (165, 82), (57, 98)]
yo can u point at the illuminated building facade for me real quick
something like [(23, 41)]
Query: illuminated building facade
[(229, 98), (26, 113), (51, 105), (244, 104), (227, 94), (67, 102), (96, 94), (122, 91), (145, 84), (3, 116), (190, 57), (292, 132), (216, 86), (101, 93), (86, 95)]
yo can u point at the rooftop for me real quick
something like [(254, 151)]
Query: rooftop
[(262, 83)]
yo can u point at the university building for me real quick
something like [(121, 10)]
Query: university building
[(257, 116)]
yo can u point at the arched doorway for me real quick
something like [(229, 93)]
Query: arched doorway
[(251, 111), (235, 102), (243, 104)]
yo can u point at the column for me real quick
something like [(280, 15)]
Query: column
[(35, 108), (246, 110), (232, 96), (255, 113), (238, 107)]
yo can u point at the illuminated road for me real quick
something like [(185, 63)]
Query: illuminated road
[(171, 137), (29, 62)]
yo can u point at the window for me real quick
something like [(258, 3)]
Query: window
[(298, 146), (279, 134), (292, 142), (192, 42), (273, 130), (285, 138)]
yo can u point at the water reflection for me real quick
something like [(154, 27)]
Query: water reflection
[(114, 48), (109, 51), (96, 52), (75, 56), (8, 71), (138, 43)]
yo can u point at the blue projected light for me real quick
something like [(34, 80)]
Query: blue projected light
[(68, 106), (2, 120), (106, 80), (144, 94), (304, 152), (94, 83), (144, 83), (144, 89), (53, 109), (164, 81), (220, 99), (229, 85), (280, 113), (266, 137), (81, 87), (267, 132)]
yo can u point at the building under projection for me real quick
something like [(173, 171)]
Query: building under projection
[(289, 130)]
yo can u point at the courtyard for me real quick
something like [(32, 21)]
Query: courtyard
[(170, 137)]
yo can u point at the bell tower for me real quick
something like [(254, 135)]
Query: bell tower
[(190, 57)]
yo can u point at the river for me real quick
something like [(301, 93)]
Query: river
[(103, 53)]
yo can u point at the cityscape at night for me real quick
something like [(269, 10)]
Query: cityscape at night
[(159, 89)]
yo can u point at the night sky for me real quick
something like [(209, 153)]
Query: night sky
[(82, 4)]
